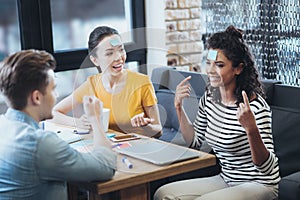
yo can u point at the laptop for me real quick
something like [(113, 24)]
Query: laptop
[(157, 152)]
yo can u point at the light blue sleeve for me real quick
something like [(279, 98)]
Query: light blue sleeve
[(57, 160)]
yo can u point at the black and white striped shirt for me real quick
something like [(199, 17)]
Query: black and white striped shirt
[(218, 124)]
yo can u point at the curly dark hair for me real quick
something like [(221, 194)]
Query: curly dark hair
[(233, 46)]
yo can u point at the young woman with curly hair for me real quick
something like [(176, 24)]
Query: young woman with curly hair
[(235, 120)]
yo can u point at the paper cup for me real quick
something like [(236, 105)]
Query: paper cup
[(105, 118)]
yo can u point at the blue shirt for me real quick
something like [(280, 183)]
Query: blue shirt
[(35, 164)]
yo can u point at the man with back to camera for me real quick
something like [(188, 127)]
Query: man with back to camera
[(35, 164)]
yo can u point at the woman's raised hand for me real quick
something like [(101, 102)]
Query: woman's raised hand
[(183, 90), (244, 114)]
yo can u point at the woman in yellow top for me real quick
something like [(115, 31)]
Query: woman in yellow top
[(129, 95)]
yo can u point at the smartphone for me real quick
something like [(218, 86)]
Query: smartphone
[(125, 137)]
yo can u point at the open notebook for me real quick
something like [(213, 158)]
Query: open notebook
[(66, 133), (157, 152)]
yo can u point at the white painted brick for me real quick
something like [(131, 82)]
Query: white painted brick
[(171, 26), (185, 47), (200, 46), (169, 15), (183, 35), (172, 48), (195, 35), (177, 14), (184, 59), (183, 3), (177, 37), (195, 12), (195, 24), (190, 47), (184, 25), (171, 3), (194, 3), (191, 58)]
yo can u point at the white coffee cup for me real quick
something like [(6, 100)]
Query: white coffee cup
[(105, 118)]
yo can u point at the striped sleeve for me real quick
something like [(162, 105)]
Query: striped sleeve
[(263, 121), (200, 124)]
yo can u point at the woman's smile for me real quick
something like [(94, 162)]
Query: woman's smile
[(118, 67), (214, 80)]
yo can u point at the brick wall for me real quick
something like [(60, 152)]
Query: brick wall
[(183, 36)]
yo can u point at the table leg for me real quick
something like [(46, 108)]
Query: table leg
[(138, 192), (72, 192)]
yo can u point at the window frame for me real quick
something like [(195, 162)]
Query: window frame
[(36, 32)]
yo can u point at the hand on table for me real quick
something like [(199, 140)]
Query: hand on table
[(140, 120)]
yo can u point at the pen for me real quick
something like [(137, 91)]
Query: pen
[(127, 162), (43, 125), (80, 131), (116, 145)]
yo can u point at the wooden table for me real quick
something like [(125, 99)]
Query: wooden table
[(134, 184)]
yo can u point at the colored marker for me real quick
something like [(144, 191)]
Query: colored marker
[(110, 135), (127, 162), (116, 145)]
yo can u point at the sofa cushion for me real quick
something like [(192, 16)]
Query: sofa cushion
[(168, 117), (173, 136), (167, 112), (286, 96), (289, 187), (160, 77), (286, 136), (268, 87), (198, 81)]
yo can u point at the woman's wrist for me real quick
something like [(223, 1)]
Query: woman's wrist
[(178, 107), (252, 130)]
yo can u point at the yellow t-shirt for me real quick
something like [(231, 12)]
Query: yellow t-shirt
[(137, 93)]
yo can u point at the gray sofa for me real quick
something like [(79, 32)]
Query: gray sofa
[(285, 105), (165, 80)]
